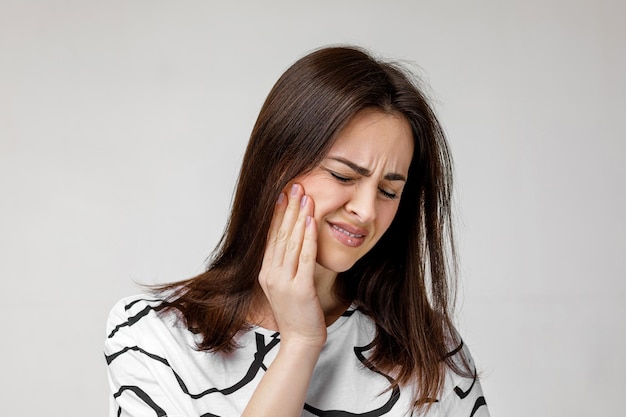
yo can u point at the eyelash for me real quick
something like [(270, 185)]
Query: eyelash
[(340, 178), (388, 195), (345, 180)]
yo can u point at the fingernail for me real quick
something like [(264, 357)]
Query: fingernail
[(308, 220), (303, 201), (294, 190), (281, 198)]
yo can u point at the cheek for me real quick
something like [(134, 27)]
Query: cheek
[(386, 216), (313, 183), (326, 194)]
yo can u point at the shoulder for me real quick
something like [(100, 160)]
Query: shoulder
[(463, 394), (141, 348), (139, 320), (129, 311), (123, 307), (127, 305)]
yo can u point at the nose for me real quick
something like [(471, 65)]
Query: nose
[(362, 203)]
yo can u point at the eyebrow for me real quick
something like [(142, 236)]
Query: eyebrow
[(392, 176)]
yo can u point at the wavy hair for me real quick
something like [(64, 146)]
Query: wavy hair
[(413, 264)]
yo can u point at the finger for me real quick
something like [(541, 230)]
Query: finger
[(308, 253), (277, 217), (286, 227), (294, 244)]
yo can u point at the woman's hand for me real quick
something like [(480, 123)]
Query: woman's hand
[(287, 271), (287, 280)]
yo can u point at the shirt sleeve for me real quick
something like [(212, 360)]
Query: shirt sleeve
[(135, 391), (463, 396)]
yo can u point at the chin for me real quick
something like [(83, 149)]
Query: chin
[(335, 262)]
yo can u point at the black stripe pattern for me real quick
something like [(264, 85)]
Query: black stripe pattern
[(154, 369)]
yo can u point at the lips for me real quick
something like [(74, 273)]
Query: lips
[(349, 235)]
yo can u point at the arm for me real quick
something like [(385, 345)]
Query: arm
[(287, 281), (135, 389)]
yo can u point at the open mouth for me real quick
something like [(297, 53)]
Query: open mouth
[(339, 229), (352, 237)]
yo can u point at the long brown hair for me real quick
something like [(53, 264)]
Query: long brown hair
[(404, 282)]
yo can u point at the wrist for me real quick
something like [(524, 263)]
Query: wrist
[(302, 351)]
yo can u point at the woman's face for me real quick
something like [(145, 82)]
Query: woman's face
[(356, 188)]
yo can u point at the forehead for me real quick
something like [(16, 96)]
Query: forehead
[(372, 137)]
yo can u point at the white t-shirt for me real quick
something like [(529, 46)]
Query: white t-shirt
[(155, 370)]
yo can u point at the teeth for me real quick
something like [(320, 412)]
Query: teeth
[(345, 232)]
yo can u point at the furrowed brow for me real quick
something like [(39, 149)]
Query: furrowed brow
[(393, 176), (358, 169)]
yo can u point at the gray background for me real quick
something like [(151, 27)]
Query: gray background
[(123, 123)]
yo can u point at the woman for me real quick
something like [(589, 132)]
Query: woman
[(328, 293)]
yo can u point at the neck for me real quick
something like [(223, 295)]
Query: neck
[(325, 287), (261, 312)]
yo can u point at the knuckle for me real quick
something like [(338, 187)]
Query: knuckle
[(281, 236), (274, 286), (305, 257), (292, 246), (264, 273), (269, 284)]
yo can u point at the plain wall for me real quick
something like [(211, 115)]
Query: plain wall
[(123, 124)]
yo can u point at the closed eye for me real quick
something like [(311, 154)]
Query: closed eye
[(388, 195), (340, 178)]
